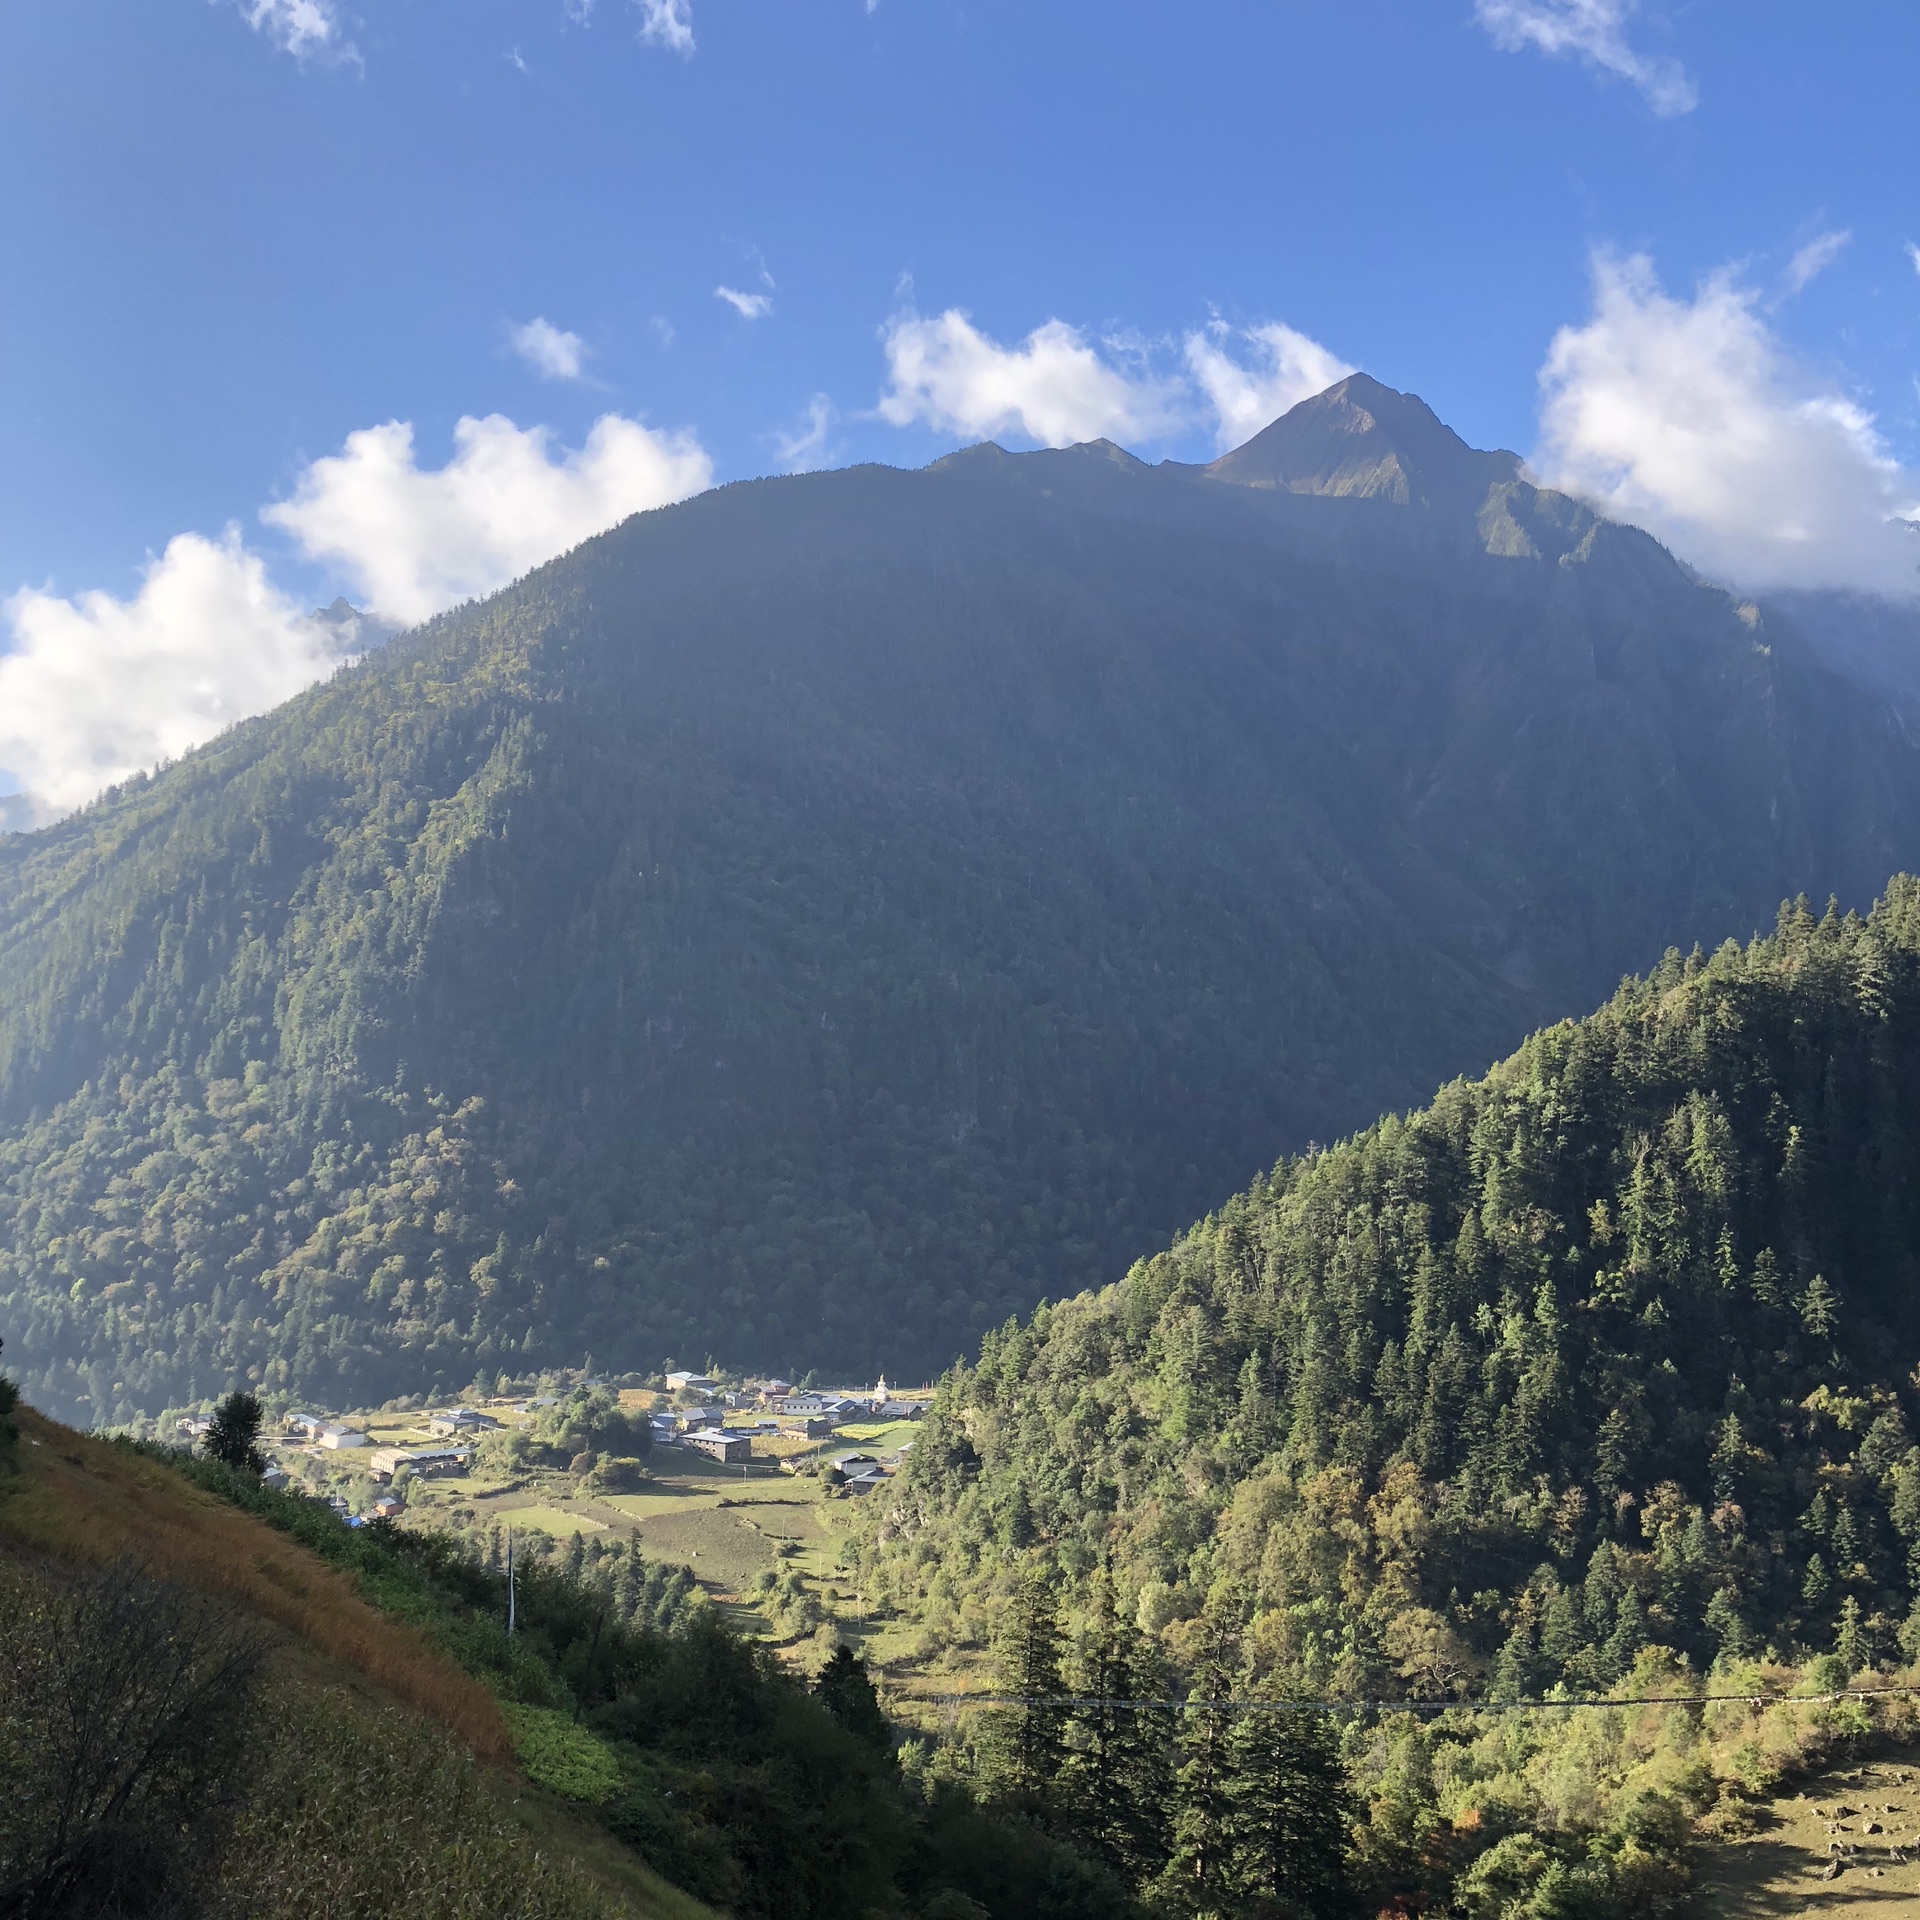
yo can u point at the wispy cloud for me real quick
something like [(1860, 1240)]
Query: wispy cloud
[(1913, 254), (307, 29), (1690, 418), (808, 447), (1593, 31), (667, 23), (1815, 258), (749, 306), (552, 353)]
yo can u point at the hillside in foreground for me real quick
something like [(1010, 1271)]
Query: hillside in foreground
[(1613, 1347), (1594, 1378), (199, 1715), (809, 923)]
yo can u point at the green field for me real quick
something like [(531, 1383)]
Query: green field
[(1780, 1867), (559, 1521), (875, 1437)]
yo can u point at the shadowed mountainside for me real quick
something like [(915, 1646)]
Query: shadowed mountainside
[(811, 922)]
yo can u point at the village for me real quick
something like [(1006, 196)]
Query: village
[(746, 1482)]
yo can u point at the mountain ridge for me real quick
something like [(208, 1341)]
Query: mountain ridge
[(869, 887)]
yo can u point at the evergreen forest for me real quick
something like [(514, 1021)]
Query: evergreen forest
[(1590, 1379)]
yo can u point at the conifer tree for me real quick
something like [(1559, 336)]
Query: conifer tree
[(1115, 1778), (1024, 1743), (846, 1691), (1200, 1874), (1291, 1811), (1850, 1638), (234, 1433)]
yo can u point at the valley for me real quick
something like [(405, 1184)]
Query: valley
[(901, 933)]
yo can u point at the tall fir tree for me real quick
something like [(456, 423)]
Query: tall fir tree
[(1292, 1812), (1115, 1780), (1199, 1876), (234, 1433), (1024, 1743)]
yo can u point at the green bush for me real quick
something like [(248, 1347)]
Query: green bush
[(563, 1757)]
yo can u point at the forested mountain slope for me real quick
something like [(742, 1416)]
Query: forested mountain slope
[(810, 922), (1612, 1348)]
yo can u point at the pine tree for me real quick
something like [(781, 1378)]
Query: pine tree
[(1115, 1779), (1292, 1811), (234, 1433), (1200, 1874), (846, 1691), (1024, 1743), (1815, 1587), (1850, 1638)]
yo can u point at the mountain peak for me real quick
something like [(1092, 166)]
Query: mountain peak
[(1362, 440)]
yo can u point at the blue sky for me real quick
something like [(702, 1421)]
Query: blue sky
[(239, 232)]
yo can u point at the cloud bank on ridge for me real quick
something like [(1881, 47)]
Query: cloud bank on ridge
[(1060, 385), (1690, 418), (95, 688)]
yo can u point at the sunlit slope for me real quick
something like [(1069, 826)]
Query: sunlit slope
[(810, 923), (1612, 1348), (80, 1500)]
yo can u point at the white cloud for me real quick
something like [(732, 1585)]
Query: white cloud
[(304, 28), (1288, 368), (414, 542), (749, 306), (667, 23), (1815, 258), (550, 352), (1689, 418), (95, 688), (1054, 387), (1913, 254), (807, 449), (1593, 31)]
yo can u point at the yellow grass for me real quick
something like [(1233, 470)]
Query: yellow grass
[(84, 1499)]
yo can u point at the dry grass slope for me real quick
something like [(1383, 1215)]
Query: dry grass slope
[(86, 1499)]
